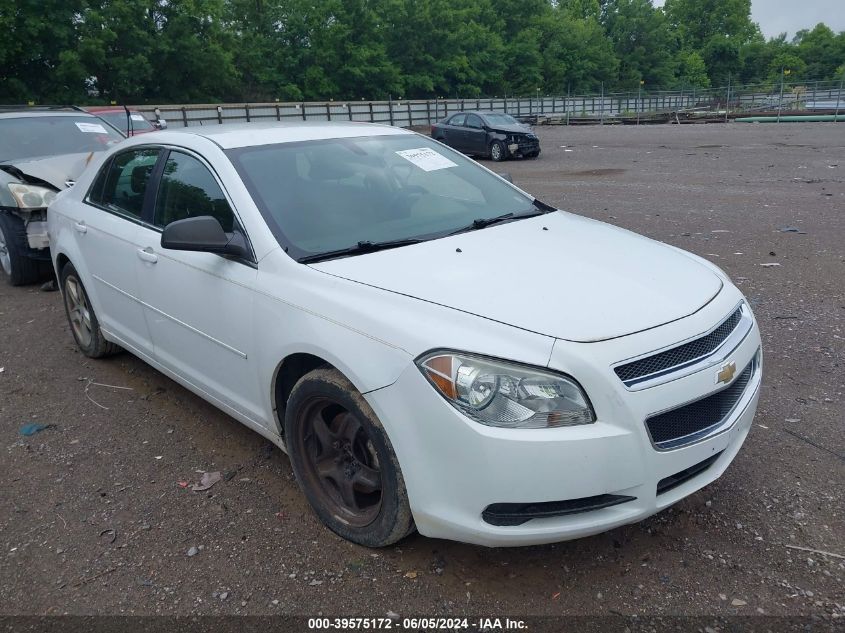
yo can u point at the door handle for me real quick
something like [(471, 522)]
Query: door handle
[(80, 227), (147, 255)]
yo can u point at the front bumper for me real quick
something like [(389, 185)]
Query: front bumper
[(523, 146), (454, 468), (31, 240)]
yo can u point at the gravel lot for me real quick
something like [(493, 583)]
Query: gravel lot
[(93, 518)]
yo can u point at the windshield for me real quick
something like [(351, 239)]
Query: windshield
[(500, 119), (322, 196), (34, 137), (118, 119)]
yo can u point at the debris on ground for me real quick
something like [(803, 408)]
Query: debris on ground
[(770, 264), (193, 551), (815, 551), (31, 429), (109, 532), (207, 481), (792, 229), (91, 383)]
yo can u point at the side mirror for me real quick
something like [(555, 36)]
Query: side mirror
[(506, 176), (203, 234), (161, 124)]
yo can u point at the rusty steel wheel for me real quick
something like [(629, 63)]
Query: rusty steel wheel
[(344, 461), (341, 462)]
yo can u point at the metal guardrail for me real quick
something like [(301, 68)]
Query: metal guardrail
[(408, 113)]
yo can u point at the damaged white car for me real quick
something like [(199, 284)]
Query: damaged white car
[(42, 151)]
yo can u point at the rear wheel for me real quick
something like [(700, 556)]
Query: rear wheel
[(497, 151), (344, 461), (81, 317), (16, 267)]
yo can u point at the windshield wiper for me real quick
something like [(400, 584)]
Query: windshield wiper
[(480, 223), (360, 248)]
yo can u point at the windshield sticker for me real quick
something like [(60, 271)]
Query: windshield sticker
[(137, 117), (426, 159), (91, 128)]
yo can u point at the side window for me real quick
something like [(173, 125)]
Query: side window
[(189, 190), (474, 121), (121, 185), (458, 120)]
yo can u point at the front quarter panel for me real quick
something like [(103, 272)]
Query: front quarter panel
[(369, 334)]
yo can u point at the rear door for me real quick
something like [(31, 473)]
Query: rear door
[(107, 227), (199, 306), (454, 131)]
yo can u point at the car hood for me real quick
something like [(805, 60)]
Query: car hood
[(54, 170), (512, 129), (558, 274)]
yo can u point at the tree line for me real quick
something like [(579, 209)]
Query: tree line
[(183, 51)]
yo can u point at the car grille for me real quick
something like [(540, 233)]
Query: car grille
[(692, 422), (671, 359)]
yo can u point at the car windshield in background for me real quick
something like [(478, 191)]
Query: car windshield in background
[(495, 119), (38, 137), (323, 196), (118, 120)]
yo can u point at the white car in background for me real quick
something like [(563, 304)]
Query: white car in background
[(432, 347)]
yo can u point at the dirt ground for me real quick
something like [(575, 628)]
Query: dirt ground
[(93, 518)]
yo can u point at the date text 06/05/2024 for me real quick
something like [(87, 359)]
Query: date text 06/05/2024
[(427, 623)]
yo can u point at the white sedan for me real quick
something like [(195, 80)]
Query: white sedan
[(434, 348)]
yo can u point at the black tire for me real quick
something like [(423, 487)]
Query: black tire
[(357, 490), (498, 151), (533, 154), (15, 266), (81, 316)]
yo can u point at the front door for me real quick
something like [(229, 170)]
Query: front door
[(199, 306), (476, 136)]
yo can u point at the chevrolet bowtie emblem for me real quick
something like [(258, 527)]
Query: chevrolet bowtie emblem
[(726, 373)]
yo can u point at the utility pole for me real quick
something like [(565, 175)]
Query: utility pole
[(639, 99), (728, 99), (839, 97), (601, 116), (780, 99)]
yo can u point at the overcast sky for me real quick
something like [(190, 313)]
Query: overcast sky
[(778, 16)]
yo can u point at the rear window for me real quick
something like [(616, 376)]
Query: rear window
[(35, 137), (118, 119)]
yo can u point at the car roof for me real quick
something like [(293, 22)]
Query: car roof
[(478, 112), (235, 135), (98, 109), (24, 114)]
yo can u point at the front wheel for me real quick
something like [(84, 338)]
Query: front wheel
[(344, 462), (498, 152), (15, 266)]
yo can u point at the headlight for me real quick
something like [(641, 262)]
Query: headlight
[(31, 196), (506, 395)]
